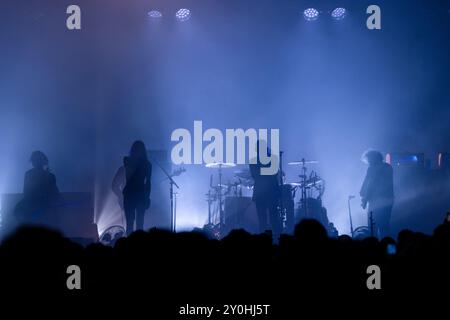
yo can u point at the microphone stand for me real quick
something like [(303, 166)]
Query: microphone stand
[(350, 215), (173, 209), (173, 213)]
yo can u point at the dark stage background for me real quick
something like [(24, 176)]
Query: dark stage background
[(334, 89)]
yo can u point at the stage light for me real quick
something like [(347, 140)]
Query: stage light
[(154, 14), (183, 14), (444, 160), (311, 14), (111, 235), (339, 13)]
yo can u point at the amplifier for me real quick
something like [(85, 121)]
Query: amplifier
[(72, 214), (406, 159)]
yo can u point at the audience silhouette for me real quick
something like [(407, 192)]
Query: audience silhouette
[(308, 260)]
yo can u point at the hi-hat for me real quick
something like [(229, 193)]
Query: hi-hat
[(303, 162), (223, 165)]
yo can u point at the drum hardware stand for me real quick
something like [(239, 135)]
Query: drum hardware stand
[(221, 215), (282, 213), (303, 187), (240, 188), (210, 201), (220, 166)]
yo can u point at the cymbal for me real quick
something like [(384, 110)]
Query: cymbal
[(220, 186), (247, 185), (302, 162), (310, 183), (223, 165), (294, 184)]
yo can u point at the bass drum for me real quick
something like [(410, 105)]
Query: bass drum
[(361, 233), (240, 213)]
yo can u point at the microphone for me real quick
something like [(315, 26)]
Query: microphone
[(351, 197)]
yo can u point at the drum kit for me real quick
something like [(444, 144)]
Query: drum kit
[(310, 186), (216, 193), (228, 208)]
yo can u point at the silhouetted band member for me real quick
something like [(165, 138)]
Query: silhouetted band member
[(39, 191), (266, 193), (378, 191), (136, 193)]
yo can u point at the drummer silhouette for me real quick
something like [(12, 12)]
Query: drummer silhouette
[(266, 192)]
